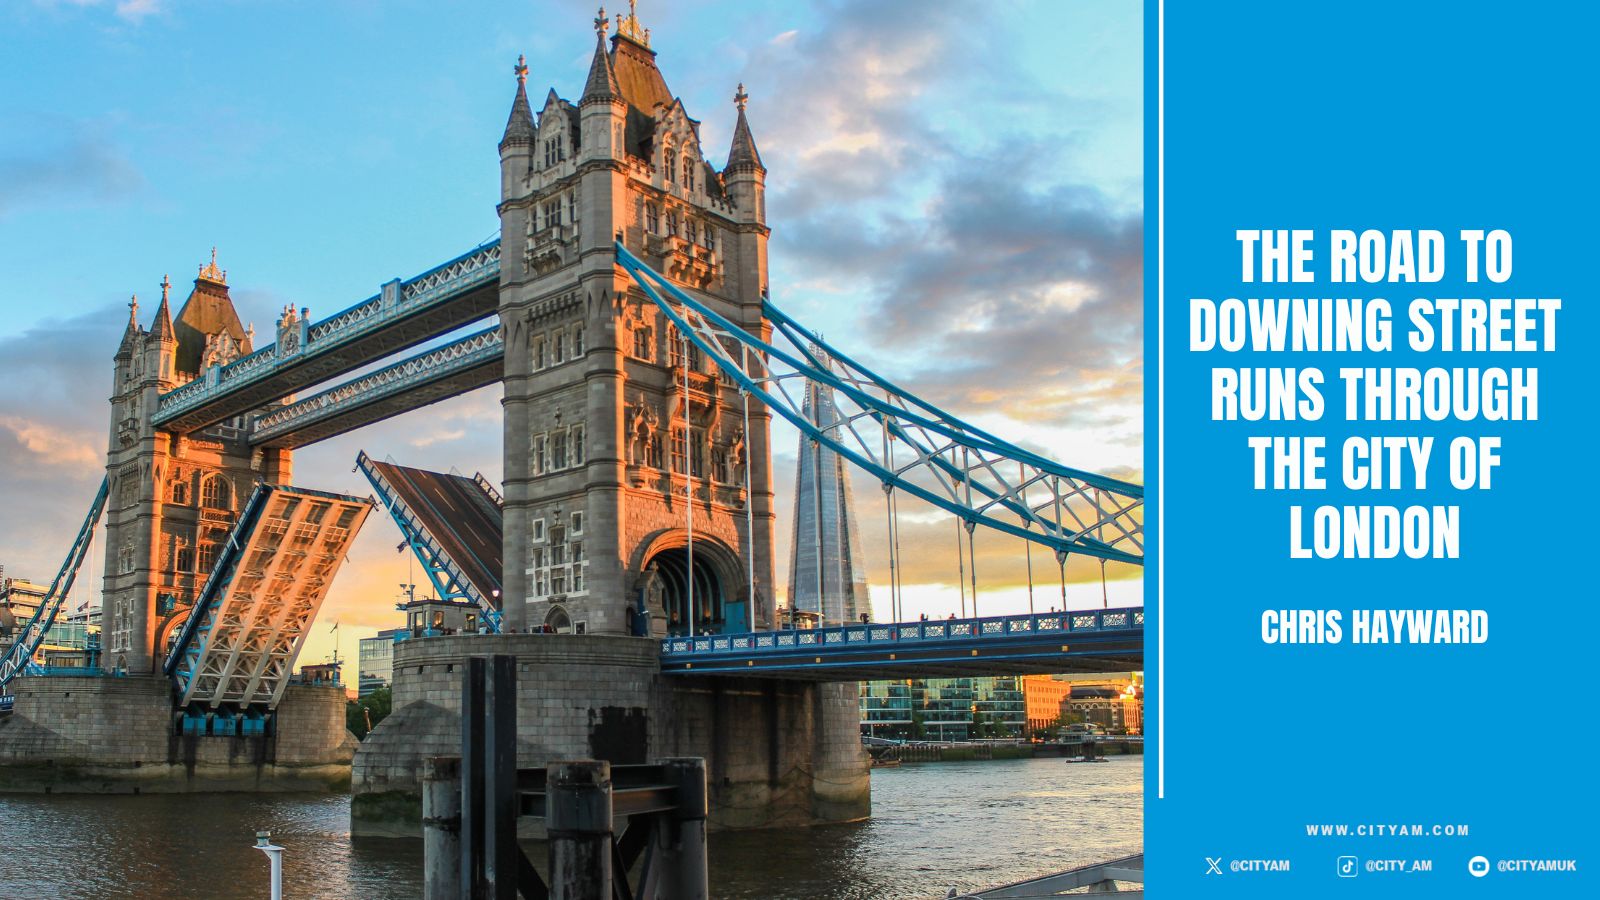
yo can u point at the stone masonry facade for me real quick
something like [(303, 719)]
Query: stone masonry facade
[(610, 427), (116, 735), (777, 753)]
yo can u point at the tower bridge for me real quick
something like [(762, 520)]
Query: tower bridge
[(642, 360)]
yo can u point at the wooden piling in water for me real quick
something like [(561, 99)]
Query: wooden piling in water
[(578, 818), (441, 828)]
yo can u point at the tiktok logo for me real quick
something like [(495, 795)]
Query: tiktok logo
[(1347, 867)]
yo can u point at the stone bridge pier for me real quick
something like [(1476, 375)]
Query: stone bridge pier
[(777, 753)]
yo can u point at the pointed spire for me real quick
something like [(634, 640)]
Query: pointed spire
[(519, 128), (162, 327), (602, 84), (743, 153), (131, 333)]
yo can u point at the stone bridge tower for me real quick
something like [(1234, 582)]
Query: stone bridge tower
[(173, 497), (605, 448)]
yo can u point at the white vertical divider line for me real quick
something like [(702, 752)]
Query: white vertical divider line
[(1161, 398)]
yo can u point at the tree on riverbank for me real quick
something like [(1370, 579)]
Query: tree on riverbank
[(363, 715)]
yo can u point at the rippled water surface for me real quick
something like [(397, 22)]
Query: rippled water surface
[(934, 826)]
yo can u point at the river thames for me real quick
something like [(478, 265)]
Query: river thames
[(934, 826)]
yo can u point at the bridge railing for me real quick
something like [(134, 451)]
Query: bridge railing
[(398, 300), (877, 634)]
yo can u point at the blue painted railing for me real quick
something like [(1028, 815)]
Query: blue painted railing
[(1025, 626)]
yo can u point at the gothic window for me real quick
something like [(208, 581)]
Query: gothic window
[(208, 557), (652, 218), (577, 340), (674, 347), (577, 522), (558, 567), (125, 556), (538, 353), (642, 339), (572, 207), (672, 223), (558, 450), (688, 173), (671, 158), (538, 461), (558, 346), (680, 452), (575, 450), (719, 465), (185, 559), (128, 487), (214, 493), (711, 237), (538, 531), (652, 451), (180, 492)]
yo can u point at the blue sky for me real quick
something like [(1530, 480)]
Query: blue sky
[(954, 193)]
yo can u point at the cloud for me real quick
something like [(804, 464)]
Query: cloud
[(929, 180), (137, 10), (134, 11), (46, 445), (63, 162), (53, 416)]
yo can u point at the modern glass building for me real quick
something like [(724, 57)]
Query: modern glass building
[(944, 709), (376, 661)]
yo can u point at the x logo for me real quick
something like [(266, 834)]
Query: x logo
[(1211, 866)]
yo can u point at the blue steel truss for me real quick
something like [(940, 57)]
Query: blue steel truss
[(474, 351), (949, 463), (398, 301), (251, 619), (182, 659), (1101, 640), (448, 579), (21, 651)]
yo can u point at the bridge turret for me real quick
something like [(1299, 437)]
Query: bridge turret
[(130, 335), (516, 146), (603, 112), (161, 343), (745, 177)]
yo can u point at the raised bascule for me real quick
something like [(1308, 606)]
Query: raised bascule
[(627, 560)]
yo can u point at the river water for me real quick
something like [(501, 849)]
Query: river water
[(934, 826)]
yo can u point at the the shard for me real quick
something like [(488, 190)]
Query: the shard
[(827, 573)]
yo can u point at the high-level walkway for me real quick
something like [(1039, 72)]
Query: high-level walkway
[(403, 314)]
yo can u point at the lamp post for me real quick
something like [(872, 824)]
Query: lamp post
[(275, 854)]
